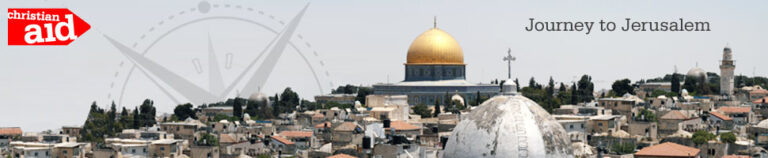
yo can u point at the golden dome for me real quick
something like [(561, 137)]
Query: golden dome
[(435, 47)]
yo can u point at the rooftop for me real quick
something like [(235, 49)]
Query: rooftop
[(323, 125), (668, 150), (721, 116), (282, 140), (734, 109), (402, 125), (674, 115), (302, 134), (761, 100), (759, 91), (341, 156), (346, 126), (10, 131)]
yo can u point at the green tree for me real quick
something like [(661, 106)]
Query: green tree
[(111, 119), (646, 115), (437, 108), (237, 108), (574, 95), (728, 138), (362, 92), (551, 87), (702, 136), (136, 118), (532, 83), (112, 113), (586, 89), (562, 88), (124, 112), (184, 111), (623, 148), (621, 87), (422, 110), (675, 83), (252, 107), (477, 99), (147, 113), (207, 139), (288, 100)]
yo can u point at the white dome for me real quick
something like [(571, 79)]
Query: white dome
[(763, 124), (508, 126), (259, 97), (458, 98), (697, 73)]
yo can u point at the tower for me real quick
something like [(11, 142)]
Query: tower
[(726, 72)]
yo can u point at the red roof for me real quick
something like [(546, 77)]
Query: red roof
[(282, 140), (761, 100), (296, 134), (759, 91), (402, 125), (341, 156), (323, 125), (668, 149), (734, 109), (721, 116), (10, 131)]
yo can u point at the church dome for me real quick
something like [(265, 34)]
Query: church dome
[(508, 126), (259, 97), (697, 73), (435, 47)]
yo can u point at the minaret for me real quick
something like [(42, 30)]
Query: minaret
[(726, 72)]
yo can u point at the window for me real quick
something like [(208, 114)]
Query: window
[(162, 148), (145, 150), (600, 124), (571, 127), (133, 150)]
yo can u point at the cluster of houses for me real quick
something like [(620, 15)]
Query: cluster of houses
[(384, 127), (626, 126), (664, 126)]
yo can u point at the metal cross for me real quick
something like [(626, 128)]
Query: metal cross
[(509, 58)]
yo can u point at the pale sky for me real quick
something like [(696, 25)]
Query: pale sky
[(357, 42)]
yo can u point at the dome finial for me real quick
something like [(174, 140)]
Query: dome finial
[(435, 22)]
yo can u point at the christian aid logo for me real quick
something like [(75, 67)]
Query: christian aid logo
[(44, 26)]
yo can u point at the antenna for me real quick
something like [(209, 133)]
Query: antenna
[(435, 22), (675, 68)]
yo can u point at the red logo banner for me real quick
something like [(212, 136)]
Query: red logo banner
[(44, 26)]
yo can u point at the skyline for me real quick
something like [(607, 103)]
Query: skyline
[(363, 43)]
